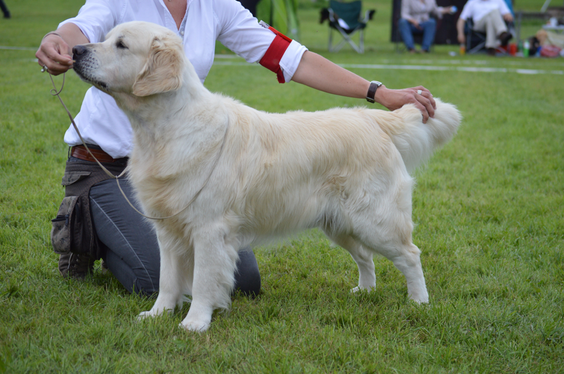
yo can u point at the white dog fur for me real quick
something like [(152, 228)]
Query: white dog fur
[(345, 171)]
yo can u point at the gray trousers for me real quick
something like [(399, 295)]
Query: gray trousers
[(129, 243), (493, 25)]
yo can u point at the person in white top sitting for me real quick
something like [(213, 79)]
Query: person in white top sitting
[(94, 220), (489, 16)]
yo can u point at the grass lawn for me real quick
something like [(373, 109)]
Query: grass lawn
[(489, 209)]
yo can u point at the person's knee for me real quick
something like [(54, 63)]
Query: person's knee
[(143, 288), (402, 23), (247, 276), (495, 13), (494, 17), (138, 279), (249, 284)]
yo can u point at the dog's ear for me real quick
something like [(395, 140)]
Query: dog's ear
[(163, 70)]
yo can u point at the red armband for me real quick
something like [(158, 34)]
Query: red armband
[(274, 53)]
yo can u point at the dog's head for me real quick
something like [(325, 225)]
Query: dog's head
[(137, 58)]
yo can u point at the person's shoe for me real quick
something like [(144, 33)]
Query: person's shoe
[(504, 38), (412, 51), (75, 266), (491, 51), (7, 15)]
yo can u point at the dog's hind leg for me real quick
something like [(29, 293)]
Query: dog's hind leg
[(362, 257), (387, 229), (214, 268), (409, 264), (175, 275), (398, 248)]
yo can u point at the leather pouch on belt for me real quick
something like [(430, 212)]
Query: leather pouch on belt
[(70, 231)]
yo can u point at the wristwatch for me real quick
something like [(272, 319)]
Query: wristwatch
[(372, 91)]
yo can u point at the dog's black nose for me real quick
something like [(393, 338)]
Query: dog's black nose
[(78, 51)]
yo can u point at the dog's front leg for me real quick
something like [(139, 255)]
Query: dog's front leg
[(214, 268), (175, 276)]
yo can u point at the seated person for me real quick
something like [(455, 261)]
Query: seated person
[(488, 17), (415, 20)]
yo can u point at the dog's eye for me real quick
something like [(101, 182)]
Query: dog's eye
[(120, 44)]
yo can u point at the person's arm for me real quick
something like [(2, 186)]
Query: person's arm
[(93, 21), (467, 12), (438, 10), (55, 51), (405, 14), (310, 68), (505, 12), (460, 29), (317, 72)]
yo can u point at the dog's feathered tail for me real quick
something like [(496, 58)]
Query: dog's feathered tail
[(415, 140)]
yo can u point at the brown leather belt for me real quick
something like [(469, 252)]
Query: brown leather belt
[(79, 151)]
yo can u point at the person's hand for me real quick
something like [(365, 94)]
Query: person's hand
[(395, 99), (54, 54), (461, 38), (449, 10), (508, 17), (417, 25)]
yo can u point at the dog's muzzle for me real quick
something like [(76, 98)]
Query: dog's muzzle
[(79, 51), (81, 57), (85, 64)]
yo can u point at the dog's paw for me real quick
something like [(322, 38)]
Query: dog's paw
[(418, 294), (421, 300), (144, 315), (196, 326), (152, 313), (358, 289)]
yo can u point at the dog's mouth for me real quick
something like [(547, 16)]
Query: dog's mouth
[(88, 78), (83, 68)]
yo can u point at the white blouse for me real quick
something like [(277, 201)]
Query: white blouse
[(100, 121), (477, 9)]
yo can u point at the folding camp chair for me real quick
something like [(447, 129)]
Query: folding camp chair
[(345, 19), (476, 41)]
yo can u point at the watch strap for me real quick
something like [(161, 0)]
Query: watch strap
[(372, 91)]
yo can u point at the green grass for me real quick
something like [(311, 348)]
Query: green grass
[(488, 208)]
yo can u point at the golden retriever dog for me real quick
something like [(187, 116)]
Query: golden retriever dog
[(256, 175)]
